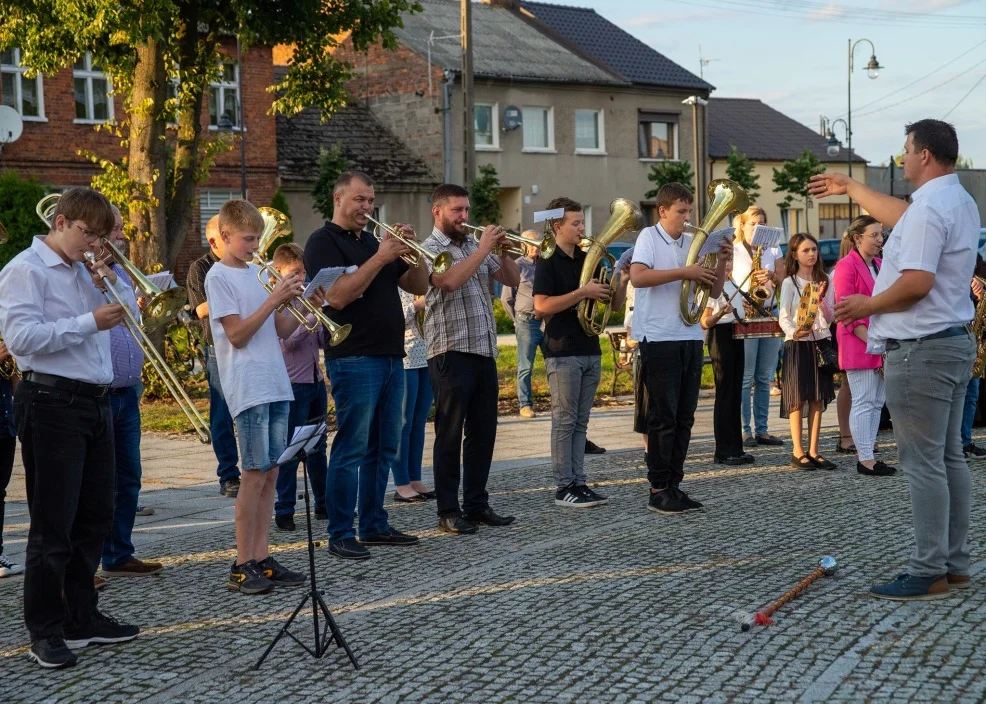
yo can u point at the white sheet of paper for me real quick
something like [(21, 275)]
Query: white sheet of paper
[(624, 258), (764, 236), (542, 215), (163, 279), (326, 277), (303, 435), (716, 238)]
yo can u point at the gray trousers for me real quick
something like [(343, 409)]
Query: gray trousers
[(926, 383), (573, 382)]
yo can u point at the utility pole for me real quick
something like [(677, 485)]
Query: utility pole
[(468, 103)]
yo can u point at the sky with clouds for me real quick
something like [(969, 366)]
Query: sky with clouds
[(793, 55)]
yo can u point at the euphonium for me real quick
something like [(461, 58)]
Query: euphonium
[(624, 216), (725, 196), (979, 330)]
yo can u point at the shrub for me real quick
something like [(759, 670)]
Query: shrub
[(18, 199)]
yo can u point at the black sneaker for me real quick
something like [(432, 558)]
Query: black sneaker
[(880, 469), (595, 496), (592, 448), (348, 549), (689, 502), (280, 575), (574, 497), (769, 439), (456, 525), (230, 488), (248, 578), (285, 523), (52, 653), (973, 450), (391, 537), (666, 501), (321, 514), (100, 629)]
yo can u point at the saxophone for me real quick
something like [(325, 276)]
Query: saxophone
[(979, 330), (760, 294)]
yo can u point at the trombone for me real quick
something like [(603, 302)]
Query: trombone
[(155, 359), (276, 226), (545, 248), (163, 305), (439, 262)]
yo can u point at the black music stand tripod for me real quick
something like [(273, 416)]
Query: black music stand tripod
[(322, 639)]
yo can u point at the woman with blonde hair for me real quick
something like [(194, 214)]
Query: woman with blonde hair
[(760, 354)]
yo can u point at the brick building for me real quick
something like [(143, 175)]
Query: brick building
[(60, 112)]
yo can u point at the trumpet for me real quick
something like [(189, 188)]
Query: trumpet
[(546, 247), (163, 305), (439, 262), (276, 226)]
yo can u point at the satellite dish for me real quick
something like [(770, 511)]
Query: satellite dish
[(512, 118), (11, 125)]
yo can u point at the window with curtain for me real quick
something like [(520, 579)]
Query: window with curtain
[(537, 129), (93, 102), (224, 95), (21, 93), (657, 139), (588, 130)]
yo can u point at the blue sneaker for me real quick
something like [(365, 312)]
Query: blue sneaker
[(913, 588)]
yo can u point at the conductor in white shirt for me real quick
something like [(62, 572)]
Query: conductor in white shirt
[(919, 317)]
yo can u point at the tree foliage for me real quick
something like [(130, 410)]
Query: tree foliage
[(665, 172), (331, 163), (484, 196), (18, 198), (793, 176), (743, 171)]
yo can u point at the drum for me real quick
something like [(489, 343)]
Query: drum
[(757, 327)]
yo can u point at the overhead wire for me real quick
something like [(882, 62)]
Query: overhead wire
[(918, 95), (962, 99)]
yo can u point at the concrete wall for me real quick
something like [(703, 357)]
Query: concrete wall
[(973, 180)]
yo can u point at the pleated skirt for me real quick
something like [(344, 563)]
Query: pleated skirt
[(801, 380)]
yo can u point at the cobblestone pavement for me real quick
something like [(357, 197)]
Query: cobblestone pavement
[(612, 604)]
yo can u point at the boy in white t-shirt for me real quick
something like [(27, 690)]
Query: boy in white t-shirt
[(246, 325)]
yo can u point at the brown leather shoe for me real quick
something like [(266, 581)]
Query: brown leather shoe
[(98, 583), (134, 568), (958, 581)]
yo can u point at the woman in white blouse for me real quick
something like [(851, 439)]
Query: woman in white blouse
[(417, 405), (803, 384)]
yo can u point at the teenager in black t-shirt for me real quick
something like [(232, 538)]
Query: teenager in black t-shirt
[(571, 357)]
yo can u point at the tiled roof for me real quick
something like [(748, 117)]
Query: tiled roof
[(504, 46), (762, 133), (612, 46)]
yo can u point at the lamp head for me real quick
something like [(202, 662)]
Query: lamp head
[(832, 145), (873, 67)]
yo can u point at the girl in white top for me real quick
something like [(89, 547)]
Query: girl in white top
[(803, 384), (418, 397)]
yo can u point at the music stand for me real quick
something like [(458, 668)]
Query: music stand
[(307, 442)]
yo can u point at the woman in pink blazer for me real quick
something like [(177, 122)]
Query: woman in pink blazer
[(856, 273)]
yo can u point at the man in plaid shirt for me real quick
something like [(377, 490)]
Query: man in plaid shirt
[(461, 336)]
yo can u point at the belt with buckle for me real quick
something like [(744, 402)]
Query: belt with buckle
[(71, 385), (953, 331)]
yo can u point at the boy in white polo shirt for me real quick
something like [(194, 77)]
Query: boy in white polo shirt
[(671, 350)]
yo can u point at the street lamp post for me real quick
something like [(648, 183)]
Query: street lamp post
[(832, 145), (872, 71)]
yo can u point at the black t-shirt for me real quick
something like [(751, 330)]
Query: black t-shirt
[(563, 335), (377, 316), (195, 287)]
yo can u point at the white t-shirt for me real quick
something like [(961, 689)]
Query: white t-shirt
[(939, 232), (657, 309), (254, 374), (736, 301)]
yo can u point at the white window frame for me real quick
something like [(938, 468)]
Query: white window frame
[(587, 213), (90, 75), (550, 116), (18, 71), (224, 86), (600, 132), (210, 202), (677, 149), (494, 125)]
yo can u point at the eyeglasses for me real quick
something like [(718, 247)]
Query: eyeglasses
[(90, 235)]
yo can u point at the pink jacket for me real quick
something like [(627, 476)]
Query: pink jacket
[(851, 275)]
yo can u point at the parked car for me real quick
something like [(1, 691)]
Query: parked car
[(618, 248)]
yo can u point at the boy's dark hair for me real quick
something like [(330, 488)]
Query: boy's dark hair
[(288, 254), (88, 206), (446, 191), (937, 137), (239, 214), (671, 193), (347, 177)]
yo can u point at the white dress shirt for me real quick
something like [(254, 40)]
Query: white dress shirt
[(939, 233), (46, 316), (657, 309)]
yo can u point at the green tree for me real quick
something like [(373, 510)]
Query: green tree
[(484, 196), (280, 202), (331, 163), (793, 176), (743, 171), (18, 198), (146, 46), (666, 172), (963, 162)]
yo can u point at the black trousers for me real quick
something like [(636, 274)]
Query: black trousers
[(727, 368), (466, 392), (67, 448), (673, 373), (8, 445)]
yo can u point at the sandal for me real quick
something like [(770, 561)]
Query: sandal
[(851, 450), (804, 462)]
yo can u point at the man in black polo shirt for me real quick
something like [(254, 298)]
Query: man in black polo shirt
[(571, 357), (366, 370)]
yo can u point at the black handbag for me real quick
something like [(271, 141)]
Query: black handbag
[(826, 357)]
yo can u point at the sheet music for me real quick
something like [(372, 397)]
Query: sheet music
[(305, 437), (326, 277), (163, 280), (624, 259), (542, 215), (716, 238), (767, 237)]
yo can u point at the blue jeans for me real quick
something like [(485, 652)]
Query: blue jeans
[(417, 404), (529, 336), (369, 400), (125, 411), (969, 410), (309, 406), (262, 432), (760, 356), (221, 424)]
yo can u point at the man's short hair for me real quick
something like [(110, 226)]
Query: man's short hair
[(446, 191), (88, 206), (239, 214), (347, 177), (671, 193), (937, 137), (212, 228), (288, 254)]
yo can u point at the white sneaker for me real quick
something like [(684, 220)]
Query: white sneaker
[(8, 568)]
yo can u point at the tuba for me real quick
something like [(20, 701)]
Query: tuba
[(624, 216), (979, 330), (726, 196)]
